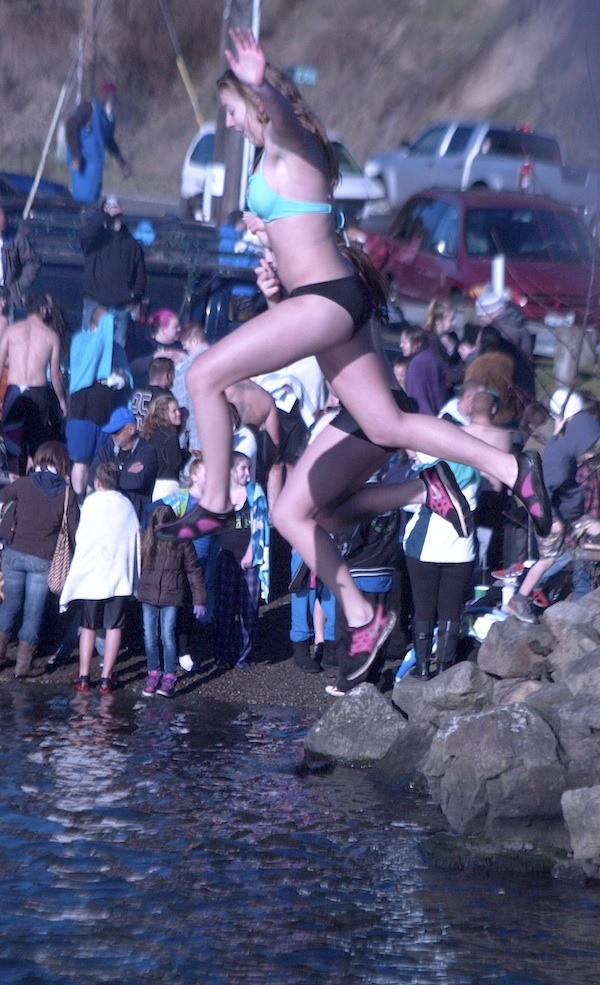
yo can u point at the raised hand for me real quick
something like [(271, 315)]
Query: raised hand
[(249, 61)]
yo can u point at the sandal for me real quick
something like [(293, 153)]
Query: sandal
[(530, 489), (199, 522)]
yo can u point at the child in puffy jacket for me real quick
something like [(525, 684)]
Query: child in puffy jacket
[(165, 567)]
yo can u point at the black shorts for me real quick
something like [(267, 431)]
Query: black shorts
[(351, 293), (103, 613), (345, 422)]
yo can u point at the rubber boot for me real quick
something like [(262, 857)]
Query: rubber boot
[(4, 641), (447, 642), (23, 667), (303, 659), (422, 639)]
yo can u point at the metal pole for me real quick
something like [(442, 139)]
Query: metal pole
[(57, 110)]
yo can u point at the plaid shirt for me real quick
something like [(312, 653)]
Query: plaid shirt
[(588, 477)]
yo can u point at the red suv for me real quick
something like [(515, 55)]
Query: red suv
[(441, 245)]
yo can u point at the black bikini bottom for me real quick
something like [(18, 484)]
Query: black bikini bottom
[(351, 293), (345, 422)]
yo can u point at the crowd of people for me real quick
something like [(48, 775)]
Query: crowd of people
[(163, 461)]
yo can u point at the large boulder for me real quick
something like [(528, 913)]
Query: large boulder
[(562, 617), (514, 649), (358, 728), (471, 750), (583, 674), (581, 810), (460, 688), (401, 768), (512, 691), (575, 722), (575, 643)]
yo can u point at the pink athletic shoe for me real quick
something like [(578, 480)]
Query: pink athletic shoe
[(445, 498), (365, 644)]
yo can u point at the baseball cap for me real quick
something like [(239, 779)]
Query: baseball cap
[(565, 403), (119, 418)]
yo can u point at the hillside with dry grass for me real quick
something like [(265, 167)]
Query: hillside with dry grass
[(387, 68)]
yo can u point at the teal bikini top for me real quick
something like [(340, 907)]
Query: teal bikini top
[(267, 205)]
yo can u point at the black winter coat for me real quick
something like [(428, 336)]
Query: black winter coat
[(114, 272), (163, 582)]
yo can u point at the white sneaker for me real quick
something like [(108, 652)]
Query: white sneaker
[(186, 663)]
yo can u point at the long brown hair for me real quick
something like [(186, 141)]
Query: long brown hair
[(281, 81), (152, 547), (158, 415), (369, 273)]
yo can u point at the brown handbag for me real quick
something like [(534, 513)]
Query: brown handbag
[(61, 559)]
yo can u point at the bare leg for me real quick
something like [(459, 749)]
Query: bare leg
[(318, 623), (87, 640), (111, 651), (334, 466), (274, 483), (296, 328), (79, 477), (372, 500), (534, 574), (360, 382)]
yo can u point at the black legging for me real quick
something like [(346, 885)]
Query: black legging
[(438, 589)]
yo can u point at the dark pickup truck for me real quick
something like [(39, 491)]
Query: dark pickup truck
[(192, 268)]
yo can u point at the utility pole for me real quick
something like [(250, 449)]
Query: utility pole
[(87, 53), (231, 148)]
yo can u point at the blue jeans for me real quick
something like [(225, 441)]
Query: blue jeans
[(166, 615), (26, 588), (302, 606), (121, 319)]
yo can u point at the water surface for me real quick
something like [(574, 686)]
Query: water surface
[(143, 843)]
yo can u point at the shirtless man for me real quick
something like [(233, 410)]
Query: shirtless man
[(30, 346), (257, 408)]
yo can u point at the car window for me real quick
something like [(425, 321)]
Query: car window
[(459, 140), (204, 151), (527, 234), (346, 162), (408, 225), (520, 143), (432, 224), (428, 142)]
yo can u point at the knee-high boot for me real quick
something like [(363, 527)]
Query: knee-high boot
[(422, 639), (4, 641), (24, 667), (447, 642)]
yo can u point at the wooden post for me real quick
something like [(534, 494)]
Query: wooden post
[(87, 66)]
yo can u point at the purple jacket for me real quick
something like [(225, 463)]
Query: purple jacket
[(426, 381)]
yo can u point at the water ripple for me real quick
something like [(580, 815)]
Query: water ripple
[(142, 843)]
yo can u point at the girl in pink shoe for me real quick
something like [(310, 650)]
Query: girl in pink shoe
[(165, 567), (326, 300)]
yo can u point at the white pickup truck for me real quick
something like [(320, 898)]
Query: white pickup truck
[(465, 154)]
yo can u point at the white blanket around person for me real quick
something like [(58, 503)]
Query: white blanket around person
[(106, 562)]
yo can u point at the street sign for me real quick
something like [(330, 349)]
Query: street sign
[(304, 75)]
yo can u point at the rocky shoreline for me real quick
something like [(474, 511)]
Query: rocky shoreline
[(508, 747)]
